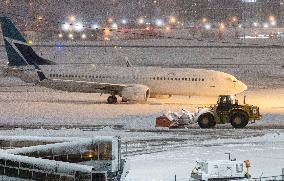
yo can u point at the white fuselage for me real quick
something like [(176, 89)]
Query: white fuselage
[(161, 81)]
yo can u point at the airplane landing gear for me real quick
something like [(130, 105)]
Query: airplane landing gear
[(112, 99)]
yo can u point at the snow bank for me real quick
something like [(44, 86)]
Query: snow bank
[(69, 147), (48, 165)]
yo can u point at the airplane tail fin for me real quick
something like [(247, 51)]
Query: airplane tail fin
[(18, 51)]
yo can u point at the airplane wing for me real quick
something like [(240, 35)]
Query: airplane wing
[(83, 86)]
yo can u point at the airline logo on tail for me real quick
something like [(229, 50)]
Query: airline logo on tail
[(18, 51), (12, 37)]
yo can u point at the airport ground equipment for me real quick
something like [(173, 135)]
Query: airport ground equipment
[(75, 158), (220, 170), (175, 120), (228, 110)]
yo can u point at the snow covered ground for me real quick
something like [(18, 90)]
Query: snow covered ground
[(265, 154), (35, 106)]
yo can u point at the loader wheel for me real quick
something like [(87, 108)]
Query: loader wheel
[(111, 100), (206, 121), (239, 120)]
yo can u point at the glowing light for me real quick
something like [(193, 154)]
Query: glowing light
[(95, 26), (234, 19), (79, 27), (207, 26), (40, 18), (204, 20), (72, 18), (124, 21), (106, 32), (173, 20), (71, 36), (83, 36), (147, 28), (255, 24), (265, 25), (222, 26), (60, 35), (110, 20), (271, 18), (141, 21), (59, 46), (159, 22), (114, 26), (168, 29), (273, 23), (65, 26), (30, 42)]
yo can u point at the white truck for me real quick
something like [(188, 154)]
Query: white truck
[(220, 170)]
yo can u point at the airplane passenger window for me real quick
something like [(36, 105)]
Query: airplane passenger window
[(158, 78), (199, 79), (172, 78), (185, 78), (175, 78), (178, 78), (192, 79), (195, 79), (182, 78), (202, 79)]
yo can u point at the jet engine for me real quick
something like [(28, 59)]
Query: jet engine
[(137, 93)]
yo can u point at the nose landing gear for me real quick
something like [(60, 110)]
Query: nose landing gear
[(112, 99)]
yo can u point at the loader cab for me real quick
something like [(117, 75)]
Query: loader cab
[(226, 102)]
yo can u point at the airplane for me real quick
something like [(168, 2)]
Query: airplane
[(133, 84)]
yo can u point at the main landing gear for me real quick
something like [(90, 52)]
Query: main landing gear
[(112, 99)]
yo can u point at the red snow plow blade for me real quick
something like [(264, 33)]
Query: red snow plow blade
[(163, 121)]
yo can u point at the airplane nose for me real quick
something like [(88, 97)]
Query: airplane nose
[(242, 87)]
